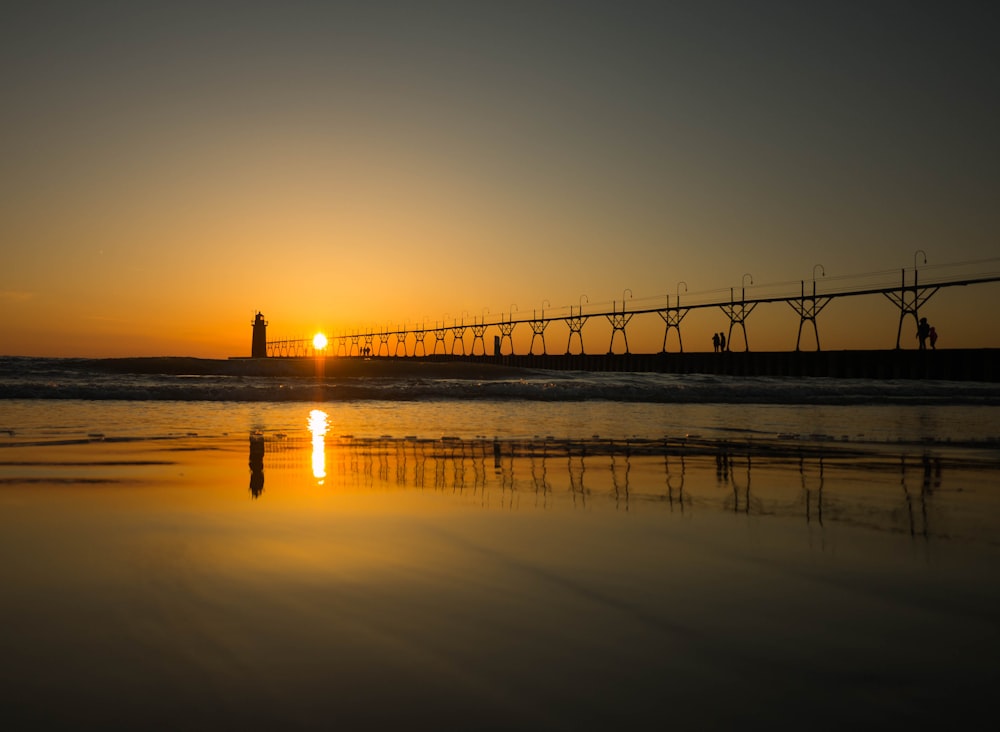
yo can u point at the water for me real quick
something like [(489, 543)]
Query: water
[(35, 394), (192, 380), (525, 550)]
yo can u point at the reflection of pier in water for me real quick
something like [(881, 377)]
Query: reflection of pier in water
[(884, 487)]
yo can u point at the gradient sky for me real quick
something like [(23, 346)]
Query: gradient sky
[(166, 169)]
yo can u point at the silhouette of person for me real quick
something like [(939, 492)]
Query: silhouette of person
[(923, 331), (715, 342), (256, 464), (722, 341), (932, 333)]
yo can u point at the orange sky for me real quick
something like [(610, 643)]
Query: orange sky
[(340, 167)]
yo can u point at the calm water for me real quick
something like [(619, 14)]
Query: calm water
[(495, 563)]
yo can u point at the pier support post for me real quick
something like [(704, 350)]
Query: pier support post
[(418, 340), (439, 335), (672, 317), (576, 324), (909, 300), (506, 329), (618, 321), (538, 326), (477, 336), (400, 342), (808, 308), (738, 313), (458, 336)]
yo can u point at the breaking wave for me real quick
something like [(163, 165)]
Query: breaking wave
[(204, 380)]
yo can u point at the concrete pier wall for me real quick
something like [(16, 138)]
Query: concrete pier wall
[(951, 364)]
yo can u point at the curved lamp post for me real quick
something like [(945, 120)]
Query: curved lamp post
[(822, 273)]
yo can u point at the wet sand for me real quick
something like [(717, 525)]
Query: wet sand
[(298, 581)]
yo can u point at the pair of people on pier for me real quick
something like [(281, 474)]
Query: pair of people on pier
[(926, 332), (718, 342)]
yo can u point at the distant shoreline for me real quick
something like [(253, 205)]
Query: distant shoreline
[(950, 364)]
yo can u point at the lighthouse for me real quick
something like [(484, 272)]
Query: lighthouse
[(259, 347)]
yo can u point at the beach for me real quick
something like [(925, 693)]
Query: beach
[(499, 366), (449, 560)]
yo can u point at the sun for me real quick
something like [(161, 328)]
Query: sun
[(319, 341)]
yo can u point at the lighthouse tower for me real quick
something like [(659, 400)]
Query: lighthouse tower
[(259, 347)]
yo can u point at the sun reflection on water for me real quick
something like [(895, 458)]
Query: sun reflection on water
[(318, 421)]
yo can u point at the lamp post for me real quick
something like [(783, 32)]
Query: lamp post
[(822, 273), (919, 251)]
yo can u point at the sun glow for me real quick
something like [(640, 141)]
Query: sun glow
[(319, 341), (317, 426)]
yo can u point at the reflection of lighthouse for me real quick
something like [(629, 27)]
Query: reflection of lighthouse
[(256, 464), (259, 348)]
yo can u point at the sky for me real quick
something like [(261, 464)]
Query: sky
[(169, 169)]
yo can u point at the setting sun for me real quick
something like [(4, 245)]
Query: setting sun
[(319, 341)]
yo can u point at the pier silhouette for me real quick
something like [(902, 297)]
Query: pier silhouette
[(907, 293)]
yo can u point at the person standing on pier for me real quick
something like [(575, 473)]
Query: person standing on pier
[(722, 342), (923, 331), (715, 342), (933, 336)]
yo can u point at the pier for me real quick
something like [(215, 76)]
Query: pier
[(908, 294), (954, 364), (950, 364)]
